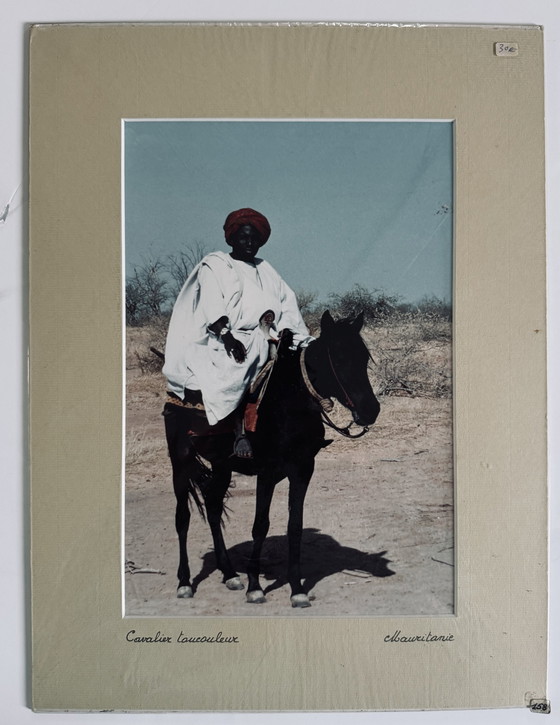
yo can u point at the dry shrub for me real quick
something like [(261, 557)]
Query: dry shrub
[(310, 310), (140, 340), (433, 327), (143, 389), (411, 349), (142, 448), (376, 305), (412, 356), (410, 344)]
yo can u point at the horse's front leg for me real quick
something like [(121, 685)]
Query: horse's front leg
[(299, 475), (214, 500), (265, 490)]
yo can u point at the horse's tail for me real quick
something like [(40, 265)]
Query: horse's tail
[(199, 480), (180, 419)]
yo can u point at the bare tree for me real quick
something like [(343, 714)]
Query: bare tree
[(146, 292), (180, 264), (154, 284), (133, 303)]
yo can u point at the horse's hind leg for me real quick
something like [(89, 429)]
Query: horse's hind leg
[(183, 459), (214, 500), (182, 520), (265, 490)]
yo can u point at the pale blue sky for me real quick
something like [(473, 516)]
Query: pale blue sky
[(348, 201)]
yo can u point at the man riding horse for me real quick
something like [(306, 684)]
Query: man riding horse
[(227, 312), (218, 341)]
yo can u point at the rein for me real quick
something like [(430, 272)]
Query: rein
[(326, 403)]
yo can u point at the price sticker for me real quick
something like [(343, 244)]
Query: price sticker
[(506, 50)]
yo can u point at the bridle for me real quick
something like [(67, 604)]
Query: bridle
[(348, 402), (326, 403)]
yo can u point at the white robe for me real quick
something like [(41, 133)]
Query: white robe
[(195, 358)]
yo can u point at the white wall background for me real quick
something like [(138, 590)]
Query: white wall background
[(14, 15)]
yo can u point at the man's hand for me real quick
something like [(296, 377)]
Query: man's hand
[(234, 347)]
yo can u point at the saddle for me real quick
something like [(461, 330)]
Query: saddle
[(277, 348), (195, 415), (249, 407), (254, 397)]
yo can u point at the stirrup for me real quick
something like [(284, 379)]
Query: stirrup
[(238, 439)]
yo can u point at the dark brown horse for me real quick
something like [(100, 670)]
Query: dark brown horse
[(289, 433)]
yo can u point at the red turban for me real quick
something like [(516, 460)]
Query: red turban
[(239, 218)]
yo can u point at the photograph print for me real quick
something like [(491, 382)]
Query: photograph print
[(288, 340)]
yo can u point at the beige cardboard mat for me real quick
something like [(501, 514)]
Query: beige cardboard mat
[(490, 649)]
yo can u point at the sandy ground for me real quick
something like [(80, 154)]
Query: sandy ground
[(378, 525)]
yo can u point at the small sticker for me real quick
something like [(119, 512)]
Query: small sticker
[(541, 706), (506, 49)]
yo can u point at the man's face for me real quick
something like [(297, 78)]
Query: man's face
[(245, 243)]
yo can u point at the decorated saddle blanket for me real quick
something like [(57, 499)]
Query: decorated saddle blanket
[(198, 422)]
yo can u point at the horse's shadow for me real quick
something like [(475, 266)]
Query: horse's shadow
[(321, 557)]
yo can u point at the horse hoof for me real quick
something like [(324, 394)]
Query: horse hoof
[(234, 583), (300, 600), (184, 592), (256, 596)]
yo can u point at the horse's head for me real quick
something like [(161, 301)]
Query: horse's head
[(341, 362)]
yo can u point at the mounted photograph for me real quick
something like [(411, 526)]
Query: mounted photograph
[(288, 293)]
